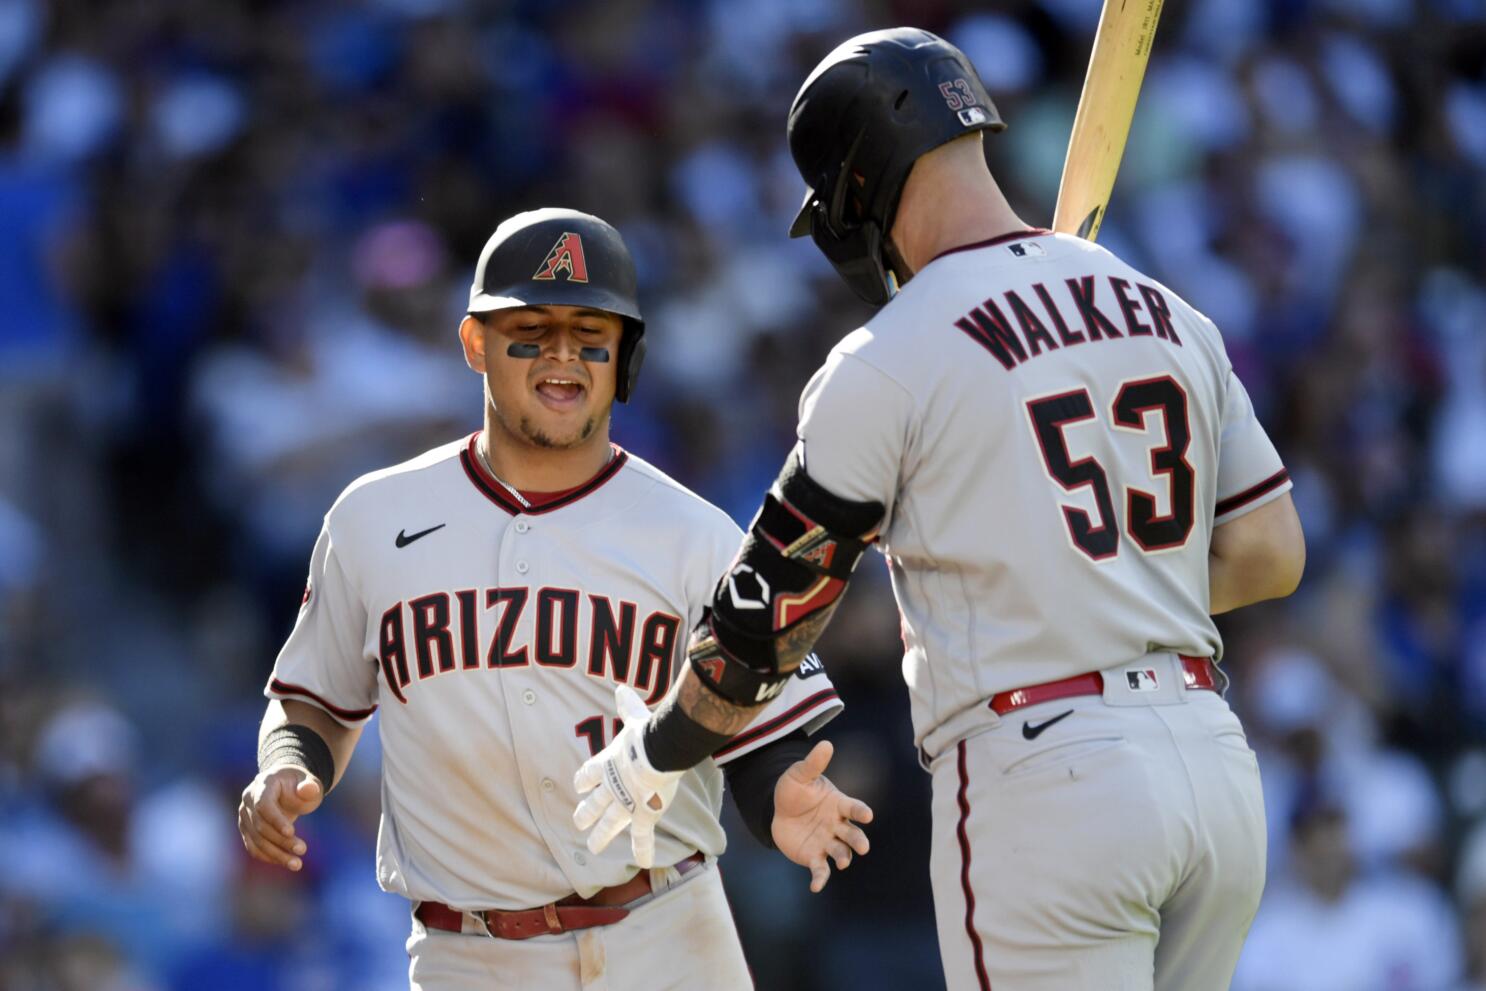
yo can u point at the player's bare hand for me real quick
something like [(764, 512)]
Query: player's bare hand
[(623, 789), (270, 805), (814, 820)]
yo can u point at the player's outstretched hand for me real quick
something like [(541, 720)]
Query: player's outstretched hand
[(270, 804), (622, 788), (813, 819)]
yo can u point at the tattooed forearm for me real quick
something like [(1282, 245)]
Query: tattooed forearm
[(718, 714), (710, 709), (792, 646)]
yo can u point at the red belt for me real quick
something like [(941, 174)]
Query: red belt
[(1198, 672), (562, 916)]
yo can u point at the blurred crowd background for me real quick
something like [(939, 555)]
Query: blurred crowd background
[(235, 238)]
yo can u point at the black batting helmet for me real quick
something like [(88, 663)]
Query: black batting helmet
[(864, 116), (559, 257)]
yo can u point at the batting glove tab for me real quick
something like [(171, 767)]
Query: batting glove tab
[(623, 788)]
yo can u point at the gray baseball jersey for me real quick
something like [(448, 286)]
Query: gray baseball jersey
[(1055, 436), (490, 635)]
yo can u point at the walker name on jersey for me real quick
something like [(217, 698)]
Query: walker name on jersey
[(473, 630), (1024, 335)]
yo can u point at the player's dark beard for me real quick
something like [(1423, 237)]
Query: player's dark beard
[(531, 433), (523, 428)]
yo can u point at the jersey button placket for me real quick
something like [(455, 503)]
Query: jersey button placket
[(527, 719)]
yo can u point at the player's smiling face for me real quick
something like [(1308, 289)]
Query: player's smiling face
[(558, 397)]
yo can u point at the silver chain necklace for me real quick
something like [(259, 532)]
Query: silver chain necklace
[(484, 460), (521, 499)]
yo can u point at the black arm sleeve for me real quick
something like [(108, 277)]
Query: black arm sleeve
[(752, 778), (302, 747)]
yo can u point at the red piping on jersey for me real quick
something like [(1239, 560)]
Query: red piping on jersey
[(1248, 495), (964, 799), (481, 478), (1001, 239), (350, 715), (764, 729)]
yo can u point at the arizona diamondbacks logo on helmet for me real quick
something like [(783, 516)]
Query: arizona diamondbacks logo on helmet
[(566, 256)]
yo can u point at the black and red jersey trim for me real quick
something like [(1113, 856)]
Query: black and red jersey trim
[(991, 242), (349, 715), (481, 478), (1253, 492), (794, 712)]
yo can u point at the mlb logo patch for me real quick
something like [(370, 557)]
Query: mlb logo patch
[(971, 116), (1142, 680)]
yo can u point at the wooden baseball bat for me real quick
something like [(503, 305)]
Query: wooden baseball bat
[(1122, 46)]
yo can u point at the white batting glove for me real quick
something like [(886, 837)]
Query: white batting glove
[(624, 789)]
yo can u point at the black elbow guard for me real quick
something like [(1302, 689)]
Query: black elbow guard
[(772, 605)]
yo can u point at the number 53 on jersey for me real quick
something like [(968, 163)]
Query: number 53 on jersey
[(1154, 406)]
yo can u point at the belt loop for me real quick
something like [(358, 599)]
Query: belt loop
[(1220, 677), (549, 915), (484, 920)]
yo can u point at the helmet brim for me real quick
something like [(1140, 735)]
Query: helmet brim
[(801, 225), (591, 297), (486, 303)]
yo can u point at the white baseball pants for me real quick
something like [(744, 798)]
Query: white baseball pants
[(1122, 848)]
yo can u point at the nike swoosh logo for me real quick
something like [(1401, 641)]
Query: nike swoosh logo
[(1030, 732), (404, 540)]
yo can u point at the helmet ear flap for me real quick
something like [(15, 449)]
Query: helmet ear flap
[(631, 357), (858, 259), (845, 206)]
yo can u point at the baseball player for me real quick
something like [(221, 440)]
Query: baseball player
[(502, 599), (1067, 480)]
